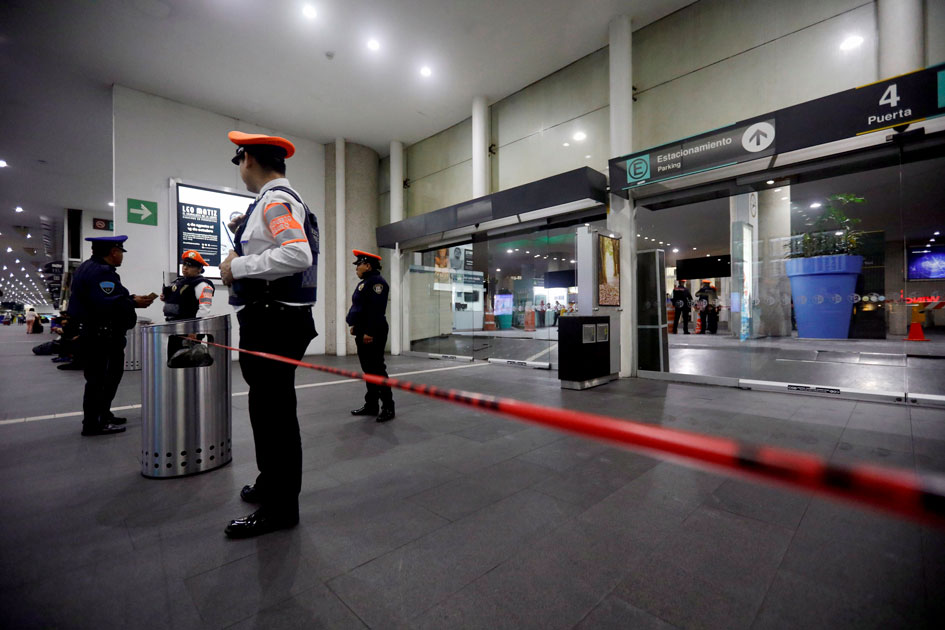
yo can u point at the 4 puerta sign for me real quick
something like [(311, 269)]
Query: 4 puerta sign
[(889, 103)]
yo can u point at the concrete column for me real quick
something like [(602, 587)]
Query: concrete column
[(482, 184), (621, 218), (396, 214), (901, 36), (341, 330)]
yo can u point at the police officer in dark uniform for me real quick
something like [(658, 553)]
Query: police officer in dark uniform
[(682, 302), (369, 327), (105, 311)]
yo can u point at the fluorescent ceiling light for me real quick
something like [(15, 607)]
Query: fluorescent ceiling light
[(851, 42), (580, 135), (425, 71), (373, 44), (19, 209), (3, 163), (309, 12)]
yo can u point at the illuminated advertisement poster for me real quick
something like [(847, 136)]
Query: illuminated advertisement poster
[(608, 271), (202, 217)]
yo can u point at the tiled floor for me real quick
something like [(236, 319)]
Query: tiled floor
[(452, 518)]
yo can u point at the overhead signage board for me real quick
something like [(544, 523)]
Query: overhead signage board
[(896, 101)]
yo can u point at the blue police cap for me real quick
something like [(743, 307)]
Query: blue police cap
[(114, 241)]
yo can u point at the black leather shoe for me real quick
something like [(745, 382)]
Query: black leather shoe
[(250, 494), (365, 410), (386, 415), (257, 524), (104, 429), (115, 420)]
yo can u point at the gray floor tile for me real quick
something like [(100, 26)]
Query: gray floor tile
[(316, 608), (616, 614), (760, 501)]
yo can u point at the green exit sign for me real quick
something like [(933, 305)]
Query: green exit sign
[(143, 212)]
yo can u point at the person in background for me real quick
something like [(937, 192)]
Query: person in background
[(190, 295), (706, 297), (105, 310), (30, 321), (368, 323), (682, 301)]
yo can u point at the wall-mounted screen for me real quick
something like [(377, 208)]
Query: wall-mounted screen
[(202, 216), (925, 263), (608, 271)]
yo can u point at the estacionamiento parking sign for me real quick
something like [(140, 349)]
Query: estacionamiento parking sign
[(638, 169)]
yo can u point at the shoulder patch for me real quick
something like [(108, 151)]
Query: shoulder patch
[(378, 288), (107, 287), (360, 286)]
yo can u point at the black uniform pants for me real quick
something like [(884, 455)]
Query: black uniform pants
[(684, 313), (286, 331), (371, 356), (104, 364)]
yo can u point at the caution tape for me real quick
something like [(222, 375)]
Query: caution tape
[(908, 494)]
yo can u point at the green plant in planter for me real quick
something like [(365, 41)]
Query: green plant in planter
[(832, 233)]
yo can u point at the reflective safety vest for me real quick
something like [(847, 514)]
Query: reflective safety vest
[(181, 300), (299, 287)]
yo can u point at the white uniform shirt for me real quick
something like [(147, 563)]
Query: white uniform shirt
[(274, 243)]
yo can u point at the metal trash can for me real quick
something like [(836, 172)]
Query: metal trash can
[(133, 345), (186, 409)]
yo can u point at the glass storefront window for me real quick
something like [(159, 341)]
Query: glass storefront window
[(812, 282), (495, 298)]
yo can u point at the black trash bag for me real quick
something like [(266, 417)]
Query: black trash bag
[(191, 355)]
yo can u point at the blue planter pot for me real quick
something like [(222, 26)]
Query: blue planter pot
[(822, 288)]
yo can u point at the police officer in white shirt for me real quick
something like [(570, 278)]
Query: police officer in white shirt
[(272, 278)]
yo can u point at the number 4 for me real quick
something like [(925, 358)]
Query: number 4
[(890, 96)]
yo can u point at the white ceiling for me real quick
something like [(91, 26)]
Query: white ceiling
[(263, 62)]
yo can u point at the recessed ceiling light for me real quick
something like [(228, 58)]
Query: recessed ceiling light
[(580, 135), (28, 235), (573, 261), (516, 249), (498, 270), (769, 182), (527, 252), (693, 249), (3, 163), (661, 242), (815, 205), (851, 42), (309, 12), (373, 44), (589, 225), (931, 240), (935, 233), (19, 209), (706, 255), (425, 71), (668, 244), (566, 144), (675, 250), (17, 261), (638, 236), (111, 204)]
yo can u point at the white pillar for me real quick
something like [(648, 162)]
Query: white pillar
[(621, 218), (901, 36), (341, 328), (396, 214), (482, 174)]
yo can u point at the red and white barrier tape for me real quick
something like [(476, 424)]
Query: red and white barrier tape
[(905, 493)]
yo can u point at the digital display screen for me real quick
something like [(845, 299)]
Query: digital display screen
[(202, 216), (925, 263)]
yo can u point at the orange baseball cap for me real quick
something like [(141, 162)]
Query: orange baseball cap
[(241, 139), (193, 257)]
